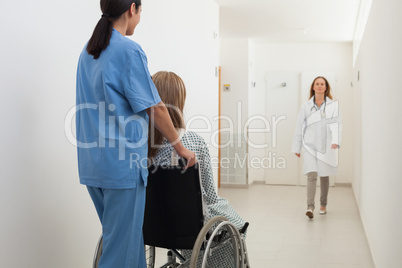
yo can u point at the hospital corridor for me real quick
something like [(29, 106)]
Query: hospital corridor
[(291, 108), (280, 236)]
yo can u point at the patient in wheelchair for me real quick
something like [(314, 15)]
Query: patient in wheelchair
[(173, 93)]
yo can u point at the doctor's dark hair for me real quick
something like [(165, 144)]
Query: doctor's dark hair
[(112, 10), (327, 90)]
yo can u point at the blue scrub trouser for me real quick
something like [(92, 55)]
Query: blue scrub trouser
[(121, 213)]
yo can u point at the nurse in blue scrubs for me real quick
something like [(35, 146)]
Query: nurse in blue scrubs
[(116, 100)]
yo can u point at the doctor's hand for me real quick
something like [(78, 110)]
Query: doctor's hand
[(298, 155), (334, 146)]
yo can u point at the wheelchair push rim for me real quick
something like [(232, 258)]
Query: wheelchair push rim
[(201, 240), (236, 243)]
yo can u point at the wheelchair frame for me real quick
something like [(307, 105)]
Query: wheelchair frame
[(202, 249), (211, 236)]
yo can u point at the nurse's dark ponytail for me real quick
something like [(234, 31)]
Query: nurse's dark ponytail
[(112, 10)]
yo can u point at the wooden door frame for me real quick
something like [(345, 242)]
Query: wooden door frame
[(219, 130)]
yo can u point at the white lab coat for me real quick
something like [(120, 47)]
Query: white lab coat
[(315, 132)]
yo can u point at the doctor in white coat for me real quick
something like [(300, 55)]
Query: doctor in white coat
[(318, 135)]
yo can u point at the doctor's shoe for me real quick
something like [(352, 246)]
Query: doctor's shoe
[(309, 213), (323, 211)]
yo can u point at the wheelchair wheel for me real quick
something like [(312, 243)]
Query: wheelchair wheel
[(225, 236), (245, 258), (150, 256), (98, 252), (218, 240)]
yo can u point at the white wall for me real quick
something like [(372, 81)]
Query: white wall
[(183, 37), (321, 58), (185, 41), (235, 71), (234, 108), (254, 94), (378, 130), (48, 219)]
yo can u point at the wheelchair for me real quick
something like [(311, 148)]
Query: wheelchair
[(174, 220)]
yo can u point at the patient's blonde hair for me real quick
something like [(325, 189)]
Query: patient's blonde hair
[(172, 91)]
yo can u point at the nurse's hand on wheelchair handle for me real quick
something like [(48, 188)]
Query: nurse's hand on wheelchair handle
[(334, 146), (189, 156)]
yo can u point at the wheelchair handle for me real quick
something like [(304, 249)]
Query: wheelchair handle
[(244, 229), (182, 162)]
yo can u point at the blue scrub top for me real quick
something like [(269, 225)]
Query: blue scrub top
[(113, 92)]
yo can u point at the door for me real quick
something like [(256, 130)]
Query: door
[(282, 108)]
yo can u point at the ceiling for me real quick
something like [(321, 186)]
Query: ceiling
[(289, 21)]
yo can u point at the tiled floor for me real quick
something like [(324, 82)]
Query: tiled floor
[(281, 236)]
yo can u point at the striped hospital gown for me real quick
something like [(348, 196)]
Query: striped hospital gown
[(213, 204)]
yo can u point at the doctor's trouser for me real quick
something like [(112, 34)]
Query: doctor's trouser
[(121, 213), (311, 188)]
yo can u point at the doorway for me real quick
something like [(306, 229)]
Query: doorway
[(282, 107)]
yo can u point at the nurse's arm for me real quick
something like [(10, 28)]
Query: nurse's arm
[(160, 117)]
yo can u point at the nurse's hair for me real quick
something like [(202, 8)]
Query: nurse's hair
[(172, 91), (112, 10), (327, 91)]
